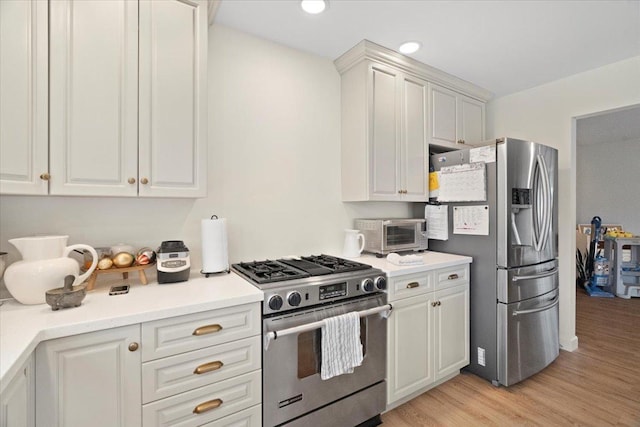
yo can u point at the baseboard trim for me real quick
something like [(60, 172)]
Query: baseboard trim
[(570, 345)]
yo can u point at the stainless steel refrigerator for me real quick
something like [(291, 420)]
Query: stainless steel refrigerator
[(514, 274)]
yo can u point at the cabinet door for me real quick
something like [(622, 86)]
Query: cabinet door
[(409, 350), (415, 160), (173, 98), (470, 120), (93, 97), (23, 97), (384, 134), (443, 110), (451, 330), (89, 380), (18, 398)]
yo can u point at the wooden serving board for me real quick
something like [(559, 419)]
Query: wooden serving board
[(124, 271)]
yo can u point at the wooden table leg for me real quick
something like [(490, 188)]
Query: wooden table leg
[(143, 277)]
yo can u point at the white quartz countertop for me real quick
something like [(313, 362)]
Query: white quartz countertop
[(22, 327), (431, 261)]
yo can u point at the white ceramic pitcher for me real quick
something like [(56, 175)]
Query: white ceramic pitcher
[(44, 265), (351, 247)]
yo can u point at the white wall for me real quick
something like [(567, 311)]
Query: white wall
[(607, 177), (274, 167), (546, 114)]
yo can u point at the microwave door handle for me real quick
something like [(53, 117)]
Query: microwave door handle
[(537, 310)]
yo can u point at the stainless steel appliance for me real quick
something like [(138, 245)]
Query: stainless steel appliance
[(384, 236), (173, 262), (299, 294), (514, 274)]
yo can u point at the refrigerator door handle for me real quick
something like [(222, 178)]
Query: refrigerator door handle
[(545, 273), (537, 310), (542, 220)]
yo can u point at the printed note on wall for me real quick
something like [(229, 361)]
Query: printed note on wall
[(471, 220), (437, 221), (463, 183)]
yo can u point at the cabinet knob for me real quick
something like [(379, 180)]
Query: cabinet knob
[(45, 176), (399, 191), (461, 141), (133, 346), (439, 303), (144, 181), (434, 303), (131, 180)]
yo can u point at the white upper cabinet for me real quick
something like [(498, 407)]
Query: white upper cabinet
[(94, 97), (23, 97), (127, 99), (173, 98), (456, 119), (392, 109)]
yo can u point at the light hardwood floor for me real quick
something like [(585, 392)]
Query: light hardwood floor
[(597, 385)]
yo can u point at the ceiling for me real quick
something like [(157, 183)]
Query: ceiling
[(503, 46)]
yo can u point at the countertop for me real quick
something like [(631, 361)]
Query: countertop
[(432, 260), (22, 327)]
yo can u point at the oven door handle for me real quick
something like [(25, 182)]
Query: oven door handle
[(274, 335)]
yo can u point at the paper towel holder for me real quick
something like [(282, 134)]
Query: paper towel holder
[(209, 273)]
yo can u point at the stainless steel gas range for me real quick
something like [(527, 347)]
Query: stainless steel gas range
[(299, 294)]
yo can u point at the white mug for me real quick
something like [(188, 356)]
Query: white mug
[(351, 248)]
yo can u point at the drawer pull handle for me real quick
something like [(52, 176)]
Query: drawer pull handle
[(413, 285), (207, 406), (453, 276), (209, 329), (208, 367)]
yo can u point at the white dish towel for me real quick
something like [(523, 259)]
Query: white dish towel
[(396, 259), (341, 346)]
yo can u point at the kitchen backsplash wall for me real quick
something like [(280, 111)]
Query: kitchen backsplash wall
[(274, 167)]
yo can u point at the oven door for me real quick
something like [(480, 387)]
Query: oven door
[(291, 363), (401, 235)]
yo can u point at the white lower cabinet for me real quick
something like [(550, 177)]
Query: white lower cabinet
[(90, 379), (428, 332), (17, 399), (192, 370)]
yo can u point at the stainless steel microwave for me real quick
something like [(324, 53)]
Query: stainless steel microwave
[(384, 236)]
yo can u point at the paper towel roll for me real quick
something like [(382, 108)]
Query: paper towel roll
[(215, 256)]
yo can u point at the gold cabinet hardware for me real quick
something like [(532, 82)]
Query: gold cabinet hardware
[(133, 346), (144, 181), (461, 141), (453, 276), (208, 367), (433, 304), (439, 303), (131, 180), (45, 176), (207, 406), (399, 191), (413, 285), (209, 329)]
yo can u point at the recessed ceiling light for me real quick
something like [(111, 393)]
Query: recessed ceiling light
[(313, 6), (409, 47)]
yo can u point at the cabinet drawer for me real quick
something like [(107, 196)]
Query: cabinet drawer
[(176, 335), (407, 286), (213, 401), (251, 417), (172, 375), (452, 276)]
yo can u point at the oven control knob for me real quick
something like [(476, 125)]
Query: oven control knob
[(294, 299), (275, 302), (381, 283), (367, 285)]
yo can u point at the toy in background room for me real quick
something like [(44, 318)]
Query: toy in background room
[(597, 266)]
